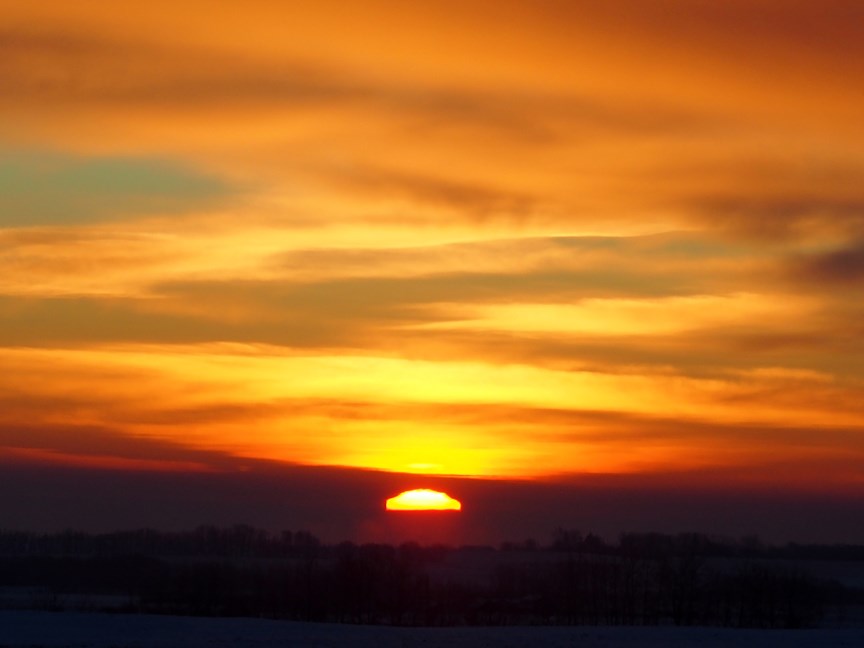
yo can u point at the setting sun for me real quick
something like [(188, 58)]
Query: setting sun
[(423, 499)]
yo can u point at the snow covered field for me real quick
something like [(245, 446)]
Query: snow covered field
[(80, 630)]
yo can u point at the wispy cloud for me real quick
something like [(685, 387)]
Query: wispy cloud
[(843, 267)]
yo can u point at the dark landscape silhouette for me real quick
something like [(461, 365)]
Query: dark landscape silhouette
[(575, 578)]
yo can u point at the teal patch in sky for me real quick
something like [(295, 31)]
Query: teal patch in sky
[(39, 188)]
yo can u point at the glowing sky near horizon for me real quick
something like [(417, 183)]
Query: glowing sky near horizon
[(517, 239)]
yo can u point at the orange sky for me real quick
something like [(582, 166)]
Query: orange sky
[(514, 239)]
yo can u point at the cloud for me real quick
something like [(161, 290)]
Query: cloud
[(89, 70), (110, 446), (789, 216), (842, 267), (328, 312), (566, 150), (75, 67)]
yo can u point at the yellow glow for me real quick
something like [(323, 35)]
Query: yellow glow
[(423, 499), (459, 424), (658, 316)]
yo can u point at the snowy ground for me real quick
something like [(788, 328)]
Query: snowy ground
[(80, 630)]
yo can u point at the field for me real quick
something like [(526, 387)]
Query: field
[(29, 629)]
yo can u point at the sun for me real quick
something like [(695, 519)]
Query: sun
[(423, 499)]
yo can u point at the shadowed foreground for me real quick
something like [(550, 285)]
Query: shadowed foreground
[(65, 630), (642, 580)]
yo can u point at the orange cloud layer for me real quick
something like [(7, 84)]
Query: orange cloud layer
[(469, 238)]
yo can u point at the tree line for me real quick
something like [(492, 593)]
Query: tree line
[(245, 540), (642, 579)]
